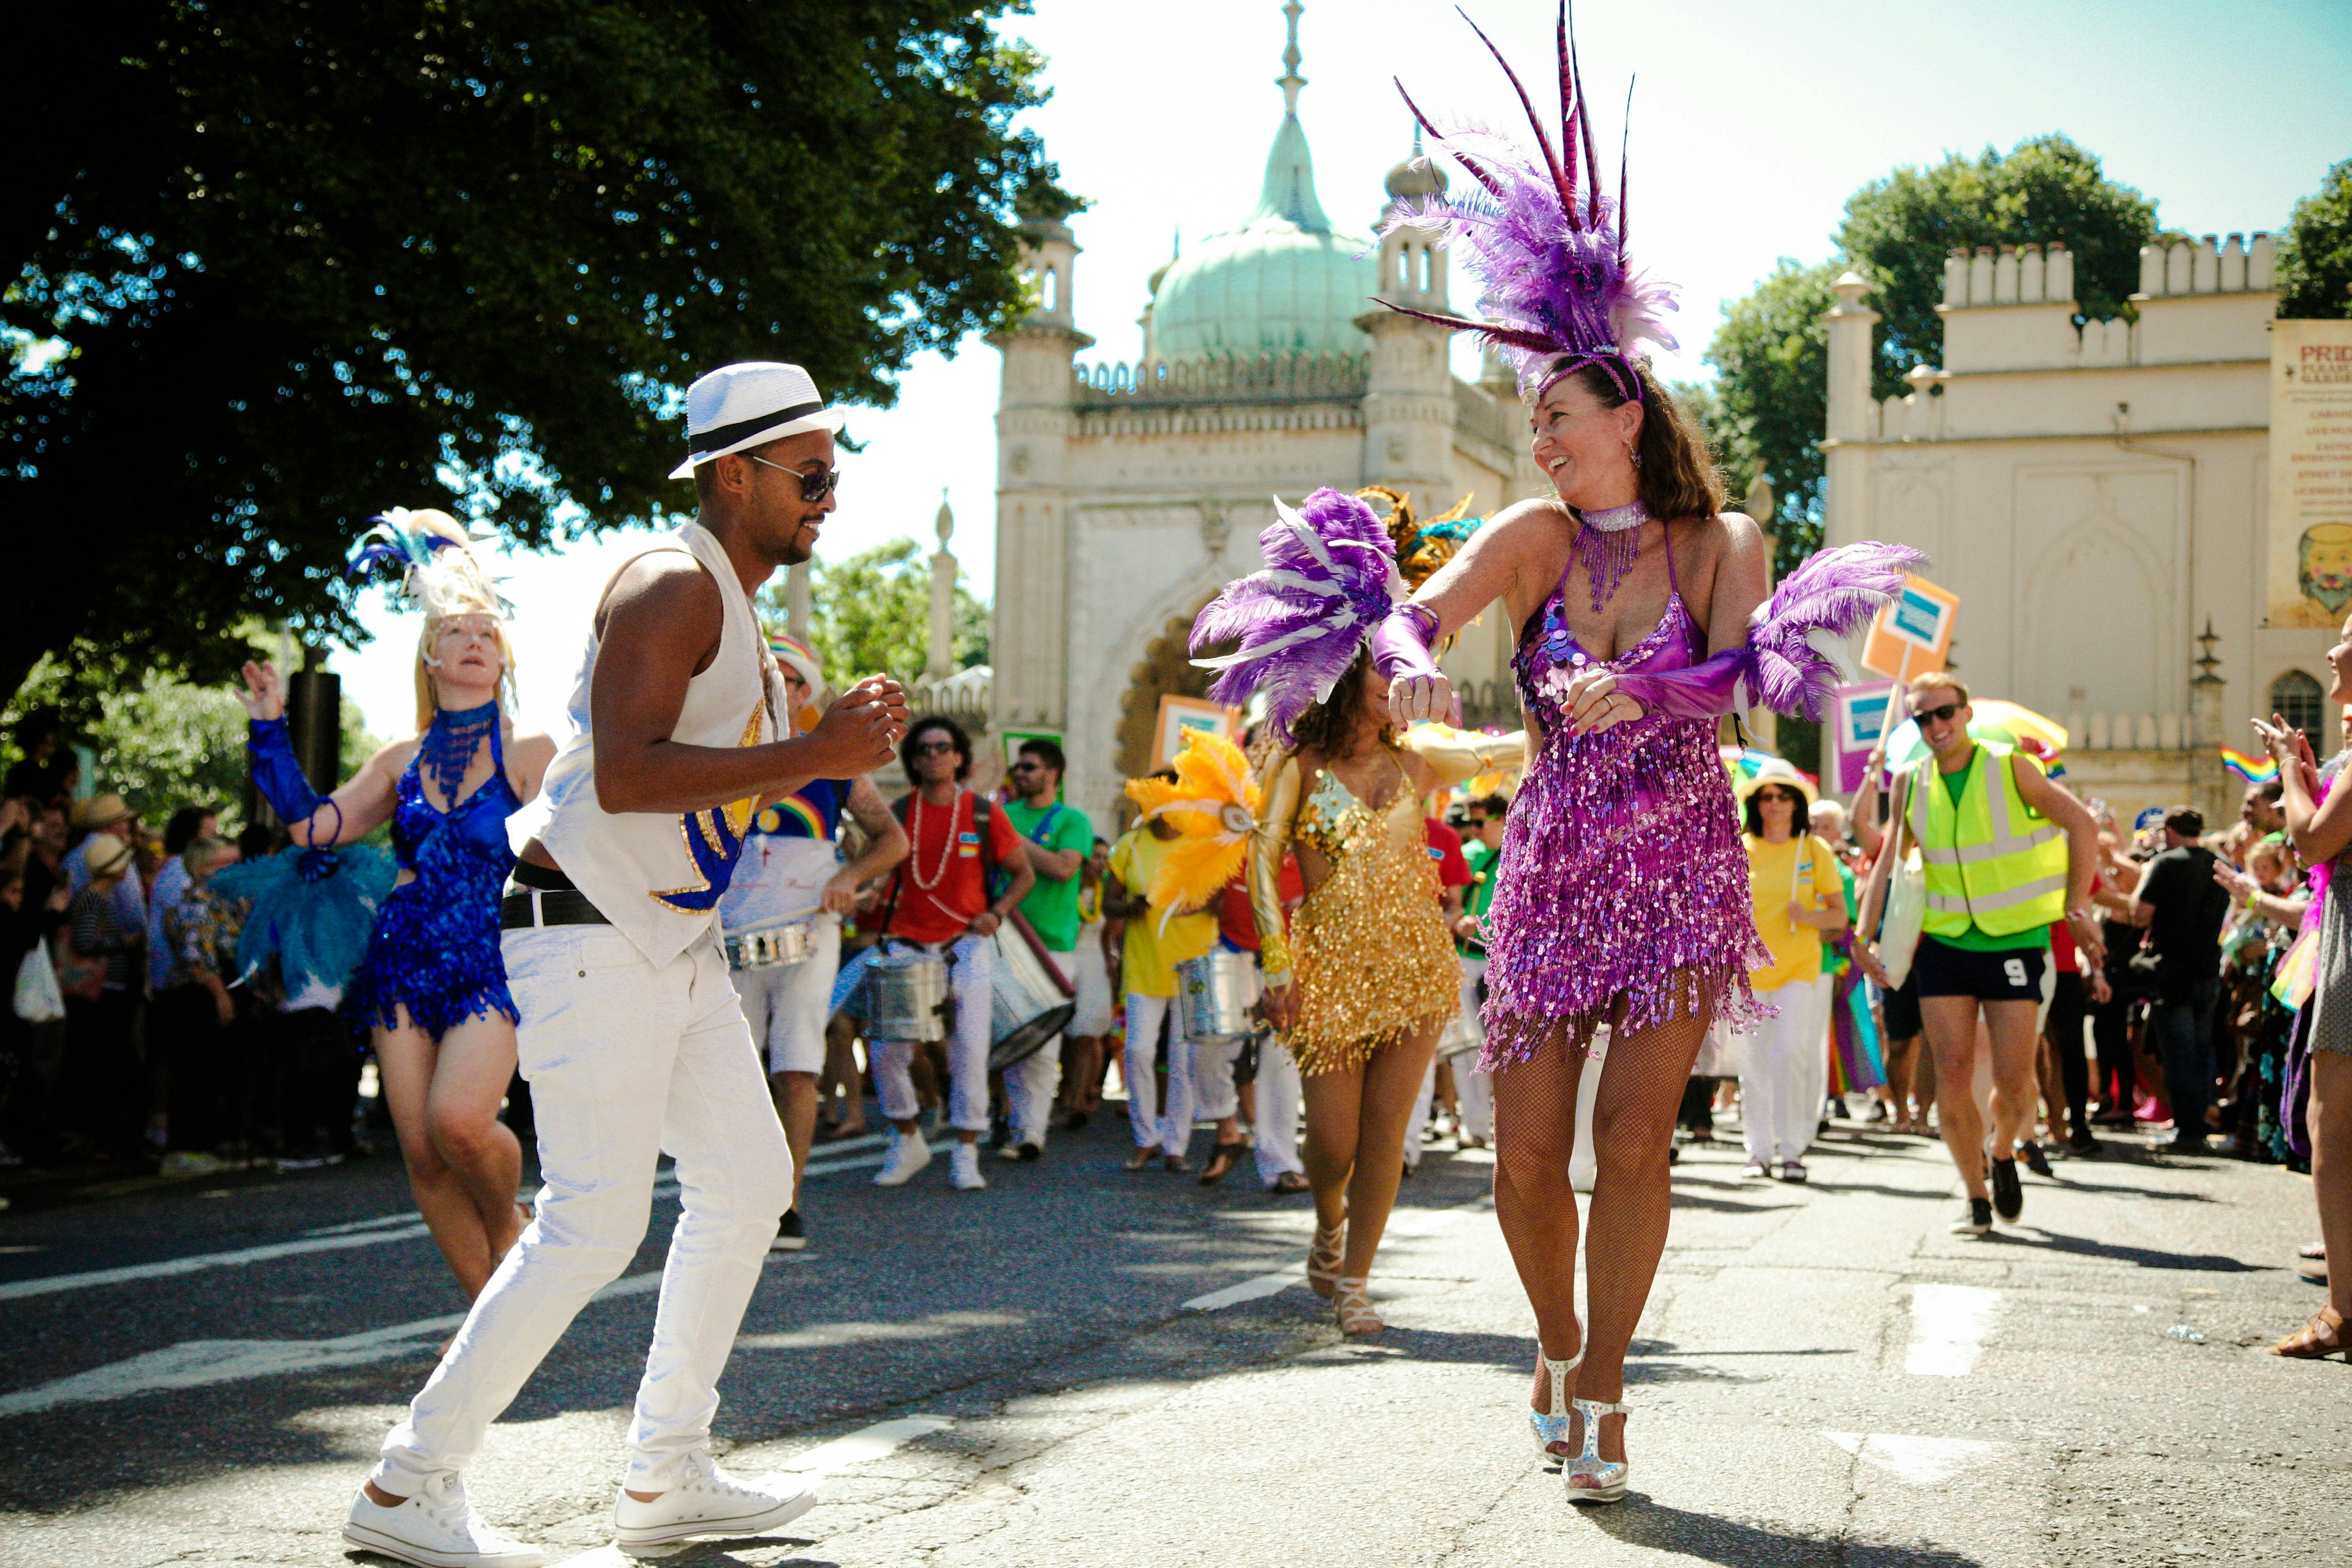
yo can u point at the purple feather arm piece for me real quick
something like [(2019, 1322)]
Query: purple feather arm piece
[(1302, 620), (1832, 596)]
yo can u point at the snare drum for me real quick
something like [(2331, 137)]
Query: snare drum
[(1214, 993), (906, 996), (773, 946)]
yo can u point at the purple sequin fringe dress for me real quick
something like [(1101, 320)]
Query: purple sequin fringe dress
[(1623, 874)]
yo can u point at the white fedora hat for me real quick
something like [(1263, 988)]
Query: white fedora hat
[(746, 404)]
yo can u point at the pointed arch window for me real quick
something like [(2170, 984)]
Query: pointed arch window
[(2301, 701)]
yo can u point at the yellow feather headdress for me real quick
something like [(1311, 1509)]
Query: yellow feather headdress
[(1213, 805)]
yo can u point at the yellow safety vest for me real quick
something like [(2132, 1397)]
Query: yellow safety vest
[(1991, 860)]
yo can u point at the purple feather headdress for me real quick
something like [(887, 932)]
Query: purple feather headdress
[(1330, 578), (1547, 246)]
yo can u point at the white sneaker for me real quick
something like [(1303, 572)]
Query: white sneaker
[(963, 1169), (908, 1155), (709, 1501), (436, 1528)]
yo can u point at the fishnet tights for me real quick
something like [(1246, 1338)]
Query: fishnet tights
[(1633, 1118)]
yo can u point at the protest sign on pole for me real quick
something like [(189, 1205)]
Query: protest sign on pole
[(1861, 715), (1913, 634)]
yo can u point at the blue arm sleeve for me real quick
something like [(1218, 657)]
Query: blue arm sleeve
[(275, 773)]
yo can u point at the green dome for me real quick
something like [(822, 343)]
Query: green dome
[(1282, 282)]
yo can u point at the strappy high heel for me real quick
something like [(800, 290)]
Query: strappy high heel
[(1561, 1375), (1608, 1476), (1323, 1259), (1354, 1308)]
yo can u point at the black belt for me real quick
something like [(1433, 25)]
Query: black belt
[(536, 907)]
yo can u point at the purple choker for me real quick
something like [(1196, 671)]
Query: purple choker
[(1608, 544)]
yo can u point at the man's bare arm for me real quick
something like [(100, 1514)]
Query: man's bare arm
[(659, 628), (1053, 864)]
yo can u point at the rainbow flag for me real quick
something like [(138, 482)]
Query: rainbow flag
[(2253, 770)]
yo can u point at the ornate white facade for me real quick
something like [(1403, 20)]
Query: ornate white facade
[(1127, 495), (2096, 496)]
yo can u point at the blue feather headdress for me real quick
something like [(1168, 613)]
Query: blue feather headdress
[(439, 572), (1547, 246)]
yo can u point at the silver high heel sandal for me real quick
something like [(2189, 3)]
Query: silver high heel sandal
[(1553, 1429), (1609, 1476)]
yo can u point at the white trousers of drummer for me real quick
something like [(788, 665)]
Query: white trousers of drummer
[(1276, 1137), (971, 978), (1031, 1083), (1473, 1091), (1170, 1126)]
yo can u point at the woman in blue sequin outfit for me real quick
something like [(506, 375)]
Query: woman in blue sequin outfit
[(432, 988)]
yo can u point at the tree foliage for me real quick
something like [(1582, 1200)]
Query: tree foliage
[(871, 613), (273, 267), (1770, 400), (1898, 230), (2314, 258), (163, 744)]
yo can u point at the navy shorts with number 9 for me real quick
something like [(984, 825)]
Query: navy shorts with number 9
[(1943, 969)]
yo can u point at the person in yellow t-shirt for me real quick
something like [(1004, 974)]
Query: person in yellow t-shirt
[(1799, 898), (1149, 955)]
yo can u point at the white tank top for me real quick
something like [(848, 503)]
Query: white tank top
[(658, 877)]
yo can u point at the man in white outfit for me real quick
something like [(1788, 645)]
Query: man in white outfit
[(630, 1034)]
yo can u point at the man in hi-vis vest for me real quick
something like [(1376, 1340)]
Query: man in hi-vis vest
[(2007, 854), (631, 1034)]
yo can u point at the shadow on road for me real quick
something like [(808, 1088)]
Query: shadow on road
[(2139, 1257), (1707, 1538)]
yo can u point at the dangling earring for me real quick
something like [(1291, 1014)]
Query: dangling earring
[(1634, 453)]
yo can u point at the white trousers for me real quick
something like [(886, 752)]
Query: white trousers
[(1092, 1020), (1170, 1126), (626, 1059), (1031, 1083), (1278, 1098), (971, 976), (786, 1004), (1215, 1098), (1784, 1071), (1475, 1091)]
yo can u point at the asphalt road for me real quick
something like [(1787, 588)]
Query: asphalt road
[(1084, 1367)]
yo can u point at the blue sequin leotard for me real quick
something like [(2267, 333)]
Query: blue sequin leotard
[(435, 947)]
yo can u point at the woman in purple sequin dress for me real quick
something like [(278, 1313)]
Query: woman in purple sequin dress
[(1622, 895)]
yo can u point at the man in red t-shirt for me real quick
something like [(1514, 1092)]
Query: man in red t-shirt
[(1453, 881), (938, 899)]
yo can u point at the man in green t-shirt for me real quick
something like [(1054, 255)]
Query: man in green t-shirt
[(1056, 838)]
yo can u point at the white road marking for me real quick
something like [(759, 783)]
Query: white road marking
[(1403, 1222), (849, 1162), (1915, 1461), (1948, 1324), (865, 1443), (18, 1289), (199, 1363), (1247, 1291)]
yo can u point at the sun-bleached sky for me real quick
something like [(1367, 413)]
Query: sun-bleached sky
[(1752, 122)]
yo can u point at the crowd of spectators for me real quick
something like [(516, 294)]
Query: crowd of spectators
[(133, 1040)]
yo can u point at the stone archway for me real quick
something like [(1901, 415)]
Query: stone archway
[(1166, 670)]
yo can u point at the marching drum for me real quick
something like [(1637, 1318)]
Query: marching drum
[(772, 947), (1027, 1007), (906, 996), (1213, 994)]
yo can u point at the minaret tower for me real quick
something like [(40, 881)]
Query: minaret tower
[(1035, 418), (1409, 398)]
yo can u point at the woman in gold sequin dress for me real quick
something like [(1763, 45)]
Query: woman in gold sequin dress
[(1366, 979)]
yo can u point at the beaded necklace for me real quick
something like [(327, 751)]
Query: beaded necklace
[(450, 743), (1608, 544), (915, 837)]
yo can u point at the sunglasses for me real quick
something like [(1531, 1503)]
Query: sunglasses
[(1943, 715), (1026, 768), (933, 748), (813, 486)]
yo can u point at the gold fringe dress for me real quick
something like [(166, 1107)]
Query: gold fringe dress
[(1368, 948)]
